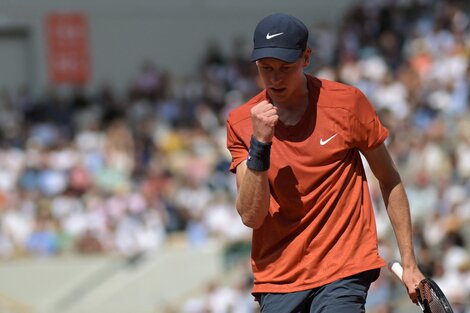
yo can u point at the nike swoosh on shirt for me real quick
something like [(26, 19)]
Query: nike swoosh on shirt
[(268, 36), (324, 142)]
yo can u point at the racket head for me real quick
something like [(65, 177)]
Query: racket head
[(431, 297)]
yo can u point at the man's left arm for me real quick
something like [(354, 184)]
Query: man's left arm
[(398, 209)]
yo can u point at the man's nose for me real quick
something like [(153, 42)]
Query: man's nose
[(276, 77)]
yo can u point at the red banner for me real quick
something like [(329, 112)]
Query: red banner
[(68, 48)]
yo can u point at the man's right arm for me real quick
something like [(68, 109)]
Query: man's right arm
[(252, 176), (253, 195)]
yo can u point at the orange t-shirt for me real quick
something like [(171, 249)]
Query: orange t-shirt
[(321, 224)]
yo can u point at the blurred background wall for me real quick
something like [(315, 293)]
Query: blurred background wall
[(122, 33)]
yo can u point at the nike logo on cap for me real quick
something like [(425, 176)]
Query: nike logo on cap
[(324, 142), (269, 36)]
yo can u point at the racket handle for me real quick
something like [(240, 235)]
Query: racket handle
[(396, 269)]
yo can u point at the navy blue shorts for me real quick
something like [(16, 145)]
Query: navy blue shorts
[(347, 295)]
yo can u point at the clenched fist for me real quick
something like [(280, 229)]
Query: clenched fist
[(264, 118)]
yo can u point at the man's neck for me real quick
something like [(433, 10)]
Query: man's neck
[(291, 114), (291, 111)]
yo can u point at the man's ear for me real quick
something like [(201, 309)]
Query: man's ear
[(306, 57)]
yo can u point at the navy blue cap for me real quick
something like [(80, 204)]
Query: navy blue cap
[(280, 36)]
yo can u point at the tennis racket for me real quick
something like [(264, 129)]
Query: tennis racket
[(431, 299)]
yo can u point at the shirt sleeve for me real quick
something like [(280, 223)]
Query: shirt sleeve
[(238, 149), (367, 132)]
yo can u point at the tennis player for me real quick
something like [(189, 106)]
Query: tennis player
[(301, 183)]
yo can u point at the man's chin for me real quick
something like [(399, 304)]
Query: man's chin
[(277, 95)]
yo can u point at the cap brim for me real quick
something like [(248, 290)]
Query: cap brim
[(287, 55)]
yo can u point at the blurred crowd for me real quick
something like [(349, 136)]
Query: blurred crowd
[(109, 173), (121, 172)]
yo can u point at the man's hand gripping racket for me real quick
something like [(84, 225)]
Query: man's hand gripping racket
[(429, 296)]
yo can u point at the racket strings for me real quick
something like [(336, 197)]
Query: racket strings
[(431, 299)]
